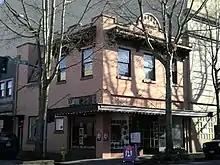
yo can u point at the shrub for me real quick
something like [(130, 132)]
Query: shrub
[(177, 154)]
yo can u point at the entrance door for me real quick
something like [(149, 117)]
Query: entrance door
[(7, 124), (153, 136), (83, 137)]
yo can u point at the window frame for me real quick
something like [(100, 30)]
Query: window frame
[(28, 134), (6, 88), (174, 72), (83, 63), (120, 62), (2, 82), (60, 71), (154, 66)]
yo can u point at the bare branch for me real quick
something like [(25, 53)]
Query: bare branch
[(14, 31), (188, 17), (62, 35)]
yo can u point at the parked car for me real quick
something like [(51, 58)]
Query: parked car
[(9, 145), (211, 148)]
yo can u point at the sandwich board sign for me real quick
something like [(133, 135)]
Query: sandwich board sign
[(129, 155)]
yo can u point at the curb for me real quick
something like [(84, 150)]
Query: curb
[(147, 157), (87, 160)]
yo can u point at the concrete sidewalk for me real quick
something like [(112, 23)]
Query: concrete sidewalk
[(196, 156), (147, 159), (100, 161)]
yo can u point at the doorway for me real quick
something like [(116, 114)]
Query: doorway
[(152, 130), (82, 137)]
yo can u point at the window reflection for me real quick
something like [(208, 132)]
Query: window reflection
[(87, 62), (149, 67), (124, 62)]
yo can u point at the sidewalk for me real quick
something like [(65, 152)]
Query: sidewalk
[(197, 156), (100, 161), (147, 159)]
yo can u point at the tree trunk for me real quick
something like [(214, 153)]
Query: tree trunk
[(43, 90), (217, 133), (169, 139), (43, 94)]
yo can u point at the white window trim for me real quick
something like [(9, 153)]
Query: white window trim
[(5, 87)]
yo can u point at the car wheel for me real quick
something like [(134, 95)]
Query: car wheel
[(208, 156)]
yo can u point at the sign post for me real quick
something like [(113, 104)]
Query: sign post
[(136, 139)]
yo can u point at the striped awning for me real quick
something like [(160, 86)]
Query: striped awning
[(95, 108), (149, 111)]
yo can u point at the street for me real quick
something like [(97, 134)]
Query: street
[(119, 162), (9, 162), (200, 162)]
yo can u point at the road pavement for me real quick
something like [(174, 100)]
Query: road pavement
[(204, 162), (9, 162), (199, 162), (119, 162)]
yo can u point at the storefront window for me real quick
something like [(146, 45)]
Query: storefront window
[(32, 128), (83, 134), (59, 123), (119, 134), (116, 133)]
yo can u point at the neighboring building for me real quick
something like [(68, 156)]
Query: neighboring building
[(115, 86), (7, 98), (202, 96)]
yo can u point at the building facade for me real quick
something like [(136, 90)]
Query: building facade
[(201, 82), (8, 98), (113, 86)]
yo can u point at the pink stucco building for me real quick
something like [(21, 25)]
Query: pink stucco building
[(114, 87)]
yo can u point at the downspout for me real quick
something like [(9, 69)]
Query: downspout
[(15, 93), (187, 90)]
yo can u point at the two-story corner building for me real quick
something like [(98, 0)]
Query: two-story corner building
[(8, 98), (113, 86)]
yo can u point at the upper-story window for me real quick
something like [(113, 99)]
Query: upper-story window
[(8, 91), (6, 87), (87, 56), (174, 71), (124, 62), (2, 89), (149, 67), (62, 69)]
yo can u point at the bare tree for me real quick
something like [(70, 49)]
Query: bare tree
[(49, 44), (174, 16)]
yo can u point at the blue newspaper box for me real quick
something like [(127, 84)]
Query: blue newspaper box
[(129, 154)]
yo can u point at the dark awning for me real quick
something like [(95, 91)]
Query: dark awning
[(79, 109)]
